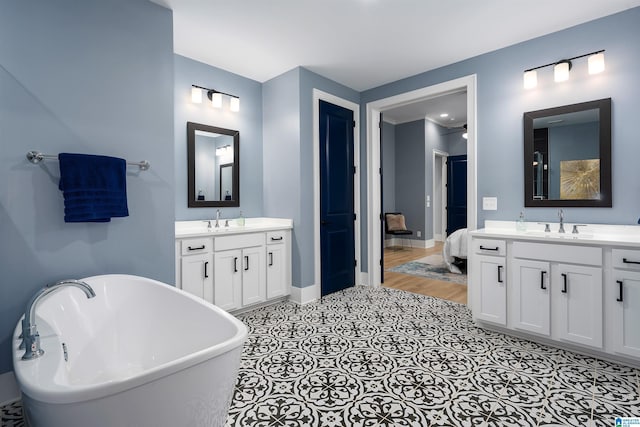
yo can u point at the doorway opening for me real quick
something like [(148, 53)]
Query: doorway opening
[(374, 163)]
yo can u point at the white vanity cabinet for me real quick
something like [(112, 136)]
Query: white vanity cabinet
[(581, 292), (530, 296), (489, 266), (557, 291), (278, 266), (196, 267), (235, 268), (622, 299), (240, 278)]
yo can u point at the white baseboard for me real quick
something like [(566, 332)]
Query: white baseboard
[(9, 390), (364, 278), (306, 295), (438, 238), (409, 243)]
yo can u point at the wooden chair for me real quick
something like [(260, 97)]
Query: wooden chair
[(394, 224)]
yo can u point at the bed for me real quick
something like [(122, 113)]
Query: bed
[(454, 251)]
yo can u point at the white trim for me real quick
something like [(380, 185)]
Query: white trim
[(364, 276), (373, 159), (324, 96), (306, 295), (440, 228), (409, 243)]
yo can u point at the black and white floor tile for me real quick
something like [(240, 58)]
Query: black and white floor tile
[(383, 357)]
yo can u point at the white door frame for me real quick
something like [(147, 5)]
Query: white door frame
[(441, 157), (373, 160), (319, 95)]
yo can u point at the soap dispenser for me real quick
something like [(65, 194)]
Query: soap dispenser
[(240, 220), (521, 225)]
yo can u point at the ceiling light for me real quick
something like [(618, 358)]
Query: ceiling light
[(215, 96), (443, 115), (196, 95), (530, 79), (561, 68), (561, 71), (596, 63), (234, 104), (216, 100)]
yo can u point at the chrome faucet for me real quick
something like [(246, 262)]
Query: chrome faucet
[(29, 328), (217, 218), (561, 216)]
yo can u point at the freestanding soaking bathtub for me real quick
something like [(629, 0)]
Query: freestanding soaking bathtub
[(140, 353)]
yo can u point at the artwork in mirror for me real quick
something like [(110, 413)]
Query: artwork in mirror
[(213, 166), (567, 155)]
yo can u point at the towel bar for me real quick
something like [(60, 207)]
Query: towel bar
[(36, 157)]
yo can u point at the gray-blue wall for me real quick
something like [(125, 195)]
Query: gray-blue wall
[(289, 122), (501, 101), (410, 174), (248, 121), (98, 80), (388, 168)]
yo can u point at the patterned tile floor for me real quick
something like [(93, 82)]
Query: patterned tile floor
[(384, 357)]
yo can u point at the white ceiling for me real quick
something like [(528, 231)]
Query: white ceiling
[(452, 104), (364, 43)]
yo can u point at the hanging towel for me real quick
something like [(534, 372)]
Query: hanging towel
[(94, 187)]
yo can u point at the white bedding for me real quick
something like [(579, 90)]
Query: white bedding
[(455, 247)]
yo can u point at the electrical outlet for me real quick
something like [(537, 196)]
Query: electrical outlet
[(419, 233), (490, 203)]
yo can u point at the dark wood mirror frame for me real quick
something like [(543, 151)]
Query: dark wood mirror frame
[(605, 200), (192, 201)]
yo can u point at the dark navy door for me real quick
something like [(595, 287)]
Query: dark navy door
[(337, 245), (456, 193)]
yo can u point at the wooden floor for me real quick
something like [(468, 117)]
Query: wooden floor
[(420, 285)]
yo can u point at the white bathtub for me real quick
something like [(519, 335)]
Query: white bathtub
[(141, 353)]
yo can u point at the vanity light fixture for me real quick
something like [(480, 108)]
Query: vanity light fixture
[(561, 68), (215, 96)]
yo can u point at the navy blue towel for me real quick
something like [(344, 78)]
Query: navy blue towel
[(94, 187)]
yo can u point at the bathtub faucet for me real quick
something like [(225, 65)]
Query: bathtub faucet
[(29, 328)]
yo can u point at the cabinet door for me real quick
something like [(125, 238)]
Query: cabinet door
[(228, 280), (490, 293), (197, 275), (277, 285), (254, 283), (529, 296), (623, 297), (578, 291)]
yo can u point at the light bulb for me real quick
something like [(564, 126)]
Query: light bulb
[(596, 63), (196, 95), (234, 104), (216, 100), (561, 71), (530, 79)]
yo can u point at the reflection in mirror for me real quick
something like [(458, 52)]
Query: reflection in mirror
[(213, 166), (568, 155)]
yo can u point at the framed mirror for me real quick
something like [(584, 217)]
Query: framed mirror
[(213, 165), (567, 156)]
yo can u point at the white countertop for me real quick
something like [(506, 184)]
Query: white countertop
[(200, 228), (590, 234)]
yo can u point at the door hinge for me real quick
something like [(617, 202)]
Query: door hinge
[(380, 171), (354, 123), (355, 262), (354, 170), (380, 217), (380, 263), (355, 216)]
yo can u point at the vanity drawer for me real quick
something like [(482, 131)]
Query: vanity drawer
[(589, 255), (197, 245), (238, 241), (626, 258), (276, 237), (490, 247)]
